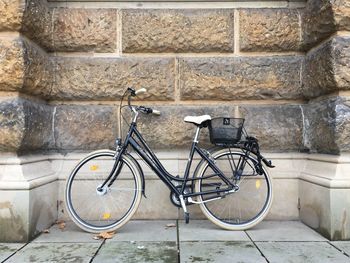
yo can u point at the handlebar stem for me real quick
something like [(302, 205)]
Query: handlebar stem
[(136, 114)]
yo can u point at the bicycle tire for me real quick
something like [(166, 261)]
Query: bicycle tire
[(92, 211), (226, 212)]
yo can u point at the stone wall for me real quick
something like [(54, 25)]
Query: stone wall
[(83, 59), (64, 66)]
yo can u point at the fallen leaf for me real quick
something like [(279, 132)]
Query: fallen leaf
[(46, 231), (59, 222), (104, 235), (62, 225), (170, 225)]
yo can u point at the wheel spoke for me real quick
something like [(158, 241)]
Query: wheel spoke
[(109, 209), (241, 209)]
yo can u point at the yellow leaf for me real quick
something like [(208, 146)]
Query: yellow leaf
[(257, 184), (93, 167), (106, 216)]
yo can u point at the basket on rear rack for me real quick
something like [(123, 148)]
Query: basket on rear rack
[(225, 131)]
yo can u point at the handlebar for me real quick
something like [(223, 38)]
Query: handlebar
[(146, 110)]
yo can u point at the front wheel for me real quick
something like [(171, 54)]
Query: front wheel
[(241, 209), (95, 209)]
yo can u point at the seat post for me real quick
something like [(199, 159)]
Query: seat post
[(195, 139)]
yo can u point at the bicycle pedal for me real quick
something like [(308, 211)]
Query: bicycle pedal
[(187, 217)]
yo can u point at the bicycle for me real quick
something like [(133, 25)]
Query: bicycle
[(230, 184)]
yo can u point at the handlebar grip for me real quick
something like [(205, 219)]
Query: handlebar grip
[(156, 112), (140, 91)]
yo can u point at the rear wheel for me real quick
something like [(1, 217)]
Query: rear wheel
[(239, 210), (97, 210)]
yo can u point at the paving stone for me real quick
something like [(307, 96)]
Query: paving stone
[(269, 29), (7, 249), (70, 233), (343, 246), (229, 251), (177, 30), (283, 231), (146, 231), (130, 252), (56, 252), (204, 230), (295, 252)]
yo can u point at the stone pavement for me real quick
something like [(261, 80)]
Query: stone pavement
[(199, 241)]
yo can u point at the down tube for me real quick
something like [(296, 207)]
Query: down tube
[(156, 169), (213, 166)]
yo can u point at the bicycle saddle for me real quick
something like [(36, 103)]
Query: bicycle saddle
[(197, 119)]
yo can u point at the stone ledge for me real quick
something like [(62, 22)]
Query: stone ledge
[(325, 209), (240, 78), (269, 30), (107, 78), (157, 31)]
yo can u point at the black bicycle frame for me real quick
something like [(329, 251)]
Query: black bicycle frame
[(145, 152)]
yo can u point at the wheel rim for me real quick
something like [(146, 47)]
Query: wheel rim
[(243, 209), (92, 210)]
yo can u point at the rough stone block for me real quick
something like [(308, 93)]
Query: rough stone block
[(321, 18), (37, 23), (107, 78), (79, 127), (269, 30), (85, 29), (177, 31), (11, 64), (38, 71), (38, 126), (24, 67), (327, 125), (11, 12), (24, 125), (326, 69), (240, 78), (278, 128), (12, 123)]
